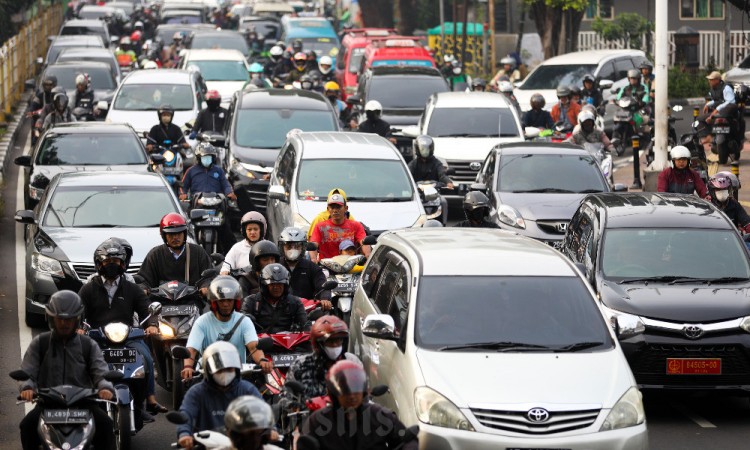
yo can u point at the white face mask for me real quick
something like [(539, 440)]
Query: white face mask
[(456, 70), (292, 254), (223, 378), (722, 196), (333, 352)]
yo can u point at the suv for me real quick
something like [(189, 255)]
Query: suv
[(491, 340), (673, 275)]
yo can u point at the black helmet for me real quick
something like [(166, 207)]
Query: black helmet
[(60, 101), (563, 91), (224, 287), (424, 146), (248, 421), (575, 90), (292, 235), (432, 223), (646, 65), (109, 249), (537, 101), (253, 217), (297, 45), (274, 274), (58, 90), (165, 109), (589, 77), (127, 247), (50, 80), (263, 248), (65, 305), (478, 84), (476, 206)]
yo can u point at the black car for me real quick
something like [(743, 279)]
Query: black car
[(403, 92), (673, 275), (257, 128), (92, 54)]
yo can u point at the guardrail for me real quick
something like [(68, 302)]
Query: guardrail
[(18, 56)]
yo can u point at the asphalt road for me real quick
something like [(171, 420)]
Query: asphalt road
[(676, 420)]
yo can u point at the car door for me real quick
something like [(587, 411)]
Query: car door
[(280, 215)]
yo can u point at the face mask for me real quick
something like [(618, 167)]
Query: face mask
[(292, 254), (332, 98), (223, 378), (333, 352), (254, 76), (206, 161), (456, 70), (111, 271), (722, 196)]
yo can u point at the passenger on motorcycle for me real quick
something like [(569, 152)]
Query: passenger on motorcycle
[(373, 122), (262, 254), (224, 323), (165, 130), (60, 112), (212, 118), (205, 403), (306, 279), (334, 426), (721, 197), (587, 131), (249, 422), (253, 229), (647, 74), (590, 94), (575, 94), (111, 297), (62, 356), (509, 70), (537, 116), (273, 308), (723, 102), (564, 110), (329, 234), (681, 178), (476, 209), (426, 167), (83, 95), (324, 215)]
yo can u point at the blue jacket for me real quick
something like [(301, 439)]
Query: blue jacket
[(205, 404), (199, 179)]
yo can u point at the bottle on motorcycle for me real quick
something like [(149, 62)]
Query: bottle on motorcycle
[(292, 243), (249, 422)]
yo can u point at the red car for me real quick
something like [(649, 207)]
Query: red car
[(350, 56)]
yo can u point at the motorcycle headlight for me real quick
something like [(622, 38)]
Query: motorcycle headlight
[(166, 330), (47, 265), (434, 409), (116, 332), (345, 304), (209, 201), (624, 103), (168, 156), (627, 412), (510, 216), (300, 222)]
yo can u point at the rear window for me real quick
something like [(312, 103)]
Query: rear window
[(405, 91), (475, 122), (101, 78), (75, 149), (552, 76)]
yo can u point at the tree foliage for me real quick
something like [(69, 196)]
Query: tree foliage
[(629, 27), (548, 16), (7, 9)]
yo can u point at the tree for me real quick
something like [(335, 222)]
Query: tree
[(377, 13), (629, 27), (7, 9), (548, 17)]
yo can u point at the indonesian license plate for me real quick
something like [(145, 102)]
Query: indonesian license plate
[(66, 416), (176, 310), (693, 366), (120, 355), (346, 286), (171, 171), (285, 359), (721, 130)]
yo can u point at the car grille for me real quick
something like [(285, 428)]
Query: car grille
[(649, 365), (462, 171), (256, 194), (553, 226), (84, 270), (517, 421)]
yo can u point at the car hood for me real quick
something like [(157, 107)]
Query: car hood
[(524, 97), (226, 88), (678, 303), (257, 156), (527, 378), (468, 149), (377, 216), (78, 244), (145, 120), (542, 206), (399, 118)]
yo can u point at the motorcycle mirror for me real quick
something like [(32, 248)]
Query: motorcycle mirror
[(19, 375), (296, 387), (330, 284), (157, 159), (145, 134), (265, 344), (154, 308), (180, 352), (370, 240), (311, 247), (217, 258), (177, 417), (113, 375), (198, 214), (379, 390), (307, 442), (102, 105), (208, 273)]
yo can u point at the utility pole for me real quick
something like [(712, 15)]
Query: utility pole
[(491, 20), (661, 113)]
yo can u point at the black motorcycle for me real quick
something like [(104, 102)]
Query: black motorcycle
[(208, 213), (342, 294), (627, 122)]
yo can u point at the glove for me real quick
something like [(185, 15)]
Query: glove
[(193, 134)]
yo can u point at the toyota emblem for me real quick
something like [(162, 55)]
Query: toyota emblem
[(692, 331), (475, 165), (537, 415)]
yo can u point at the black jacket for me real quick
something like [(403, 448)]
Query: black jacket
[(539, 119), (377, 126), (306, 279), (160, 265), (208, 120), (594, 95), (41, 99), (430, 169), (735, 212), (85, 99), (128, 298), (171, 132), (484, 224), (287, 314)]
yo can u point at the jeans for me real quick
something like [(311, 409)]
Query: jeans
[(148, 361)]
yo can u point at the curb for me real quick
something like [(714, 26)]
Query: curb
[(9, 139)]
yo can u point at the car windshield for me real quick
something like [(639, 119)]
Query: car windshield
[(472, 122), (670, 252), (232, 42), (108, 206), (264, 29), (549, 173), (140, 97), (552, 76), (78, 30), (405, 91), (182, 19), (76, 149), (267, 128), (356, 59), (368, 180), (55, 50), (101, 77), (222, 70), (540, 312)]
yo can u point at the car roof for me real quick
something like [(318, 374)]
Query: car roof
[(161, 76), (469, 100), (214, 54), (590, 57), (283, 99), (82, 64), (345, 145), (203, 33), (480, 252), (96, 23), (77, 39), (405, 70), (111, 178), (550, 148), (658, 209), (93, 127), (181, 12), (86, 52)]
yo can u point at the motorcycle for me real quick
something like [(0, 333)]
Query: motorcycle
[(172, 166), (218, 140), (208, 213), (346, 282), (561, 132), (671, 137), (84, 112), (725, 131), (207, 439), (627, 121)]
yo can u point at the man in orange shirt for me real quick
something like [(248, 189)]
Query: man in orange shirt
[(330, 233), (565, 110)]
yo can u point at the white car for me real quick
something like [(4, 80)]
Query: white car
[(224, 70)]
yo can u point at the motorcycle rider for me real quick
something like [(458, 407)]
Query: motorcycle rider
[(721, 197), (329, 234), (681, 178), (647, 74), (257, 77), (325, 67), (249, 423), (565, 111), (83, 95), (478, 85), (587, 131), (306, 279), (274, 58), (506, 88), (212, 118), (636, 89), (63, 357), (537, 116), (426, 167), (723, 103), (457, 78), (205, 403), (124, 54), (350, 419), (374, 123), (224, 323), (60, 112), (509, 70), (324, 215), (253, 228), (263, 253), (590, 94), (44, 96), (476, 209), (165, 130), (332, 92), (299, 69), (273, 308)]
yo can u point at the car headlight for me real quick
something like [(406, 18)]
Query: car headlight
[(166, 330), (625, 325), (510, 216), (116, 332), (420, 221), (47, 265), (627, 412), (300, 222), (434, 409)]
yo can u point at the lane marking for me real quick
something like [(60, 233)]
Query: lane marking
[(681, 407), (24, 332)]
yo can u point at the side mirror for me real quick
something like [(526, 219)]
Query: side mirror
[(30, 84), (330, 284), (605, 84), (154, 308), (102, 105), (481, 187), (354, 100), (619, 187), (627, 326), (531, 132), (430, 193), (379, 390), (198, 214), (277, 192), (19, 375), (217, 258), (157, 159), (178, 417), (25, 216), (180, 352), (370, 240), (411, 131), (380, 326), (24, 161)]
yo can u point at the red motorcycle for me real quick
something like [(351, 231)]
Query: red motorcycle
[(287, 347)]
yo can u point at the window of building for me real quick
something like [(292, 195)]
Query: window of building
[(701, 9), (600, 8)]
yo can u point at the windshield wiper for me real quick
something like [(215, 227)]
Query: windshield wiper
[(500, 345), (662, 278), (540, 190), (590, 191), (710, 280), (578, 346), (99, 225)]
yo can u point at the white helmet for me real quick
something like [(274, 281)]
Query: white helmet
[(448, 58), (276, 51), (505, 87), (81, 79), (508, 60), (220, 355), (325, 60), (373, 105), (679, 151), (584, 116), (148, 64)]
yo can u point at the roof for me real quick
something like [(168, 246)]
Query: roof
[(345, 145), (93, 128), (590, 56), (94, 64), (660, 210), (220, 33), (86, 52), (404, 70), (552, 148), (469, 100), (96, 23), (481, 252), (161, 76), (111, 178), (180, 12), (284, 99), (79, 40), (215, 54)]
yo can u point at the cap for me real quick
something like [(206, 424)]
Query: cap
[(337, 199), (715, 75), (346, 243)]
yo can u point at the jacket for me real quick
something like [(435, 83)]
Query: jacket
[(593, 97), (721, 97), (430, 169), (306, 279), (128, 298), (736, 213), (208, 120), (538, 118), (684, 181), (205, 404), (55, 118), (640, 93), (573, 110), (288, 313), (159, 134), (377, 126), (159, 265), (199, 179), (84, 99)]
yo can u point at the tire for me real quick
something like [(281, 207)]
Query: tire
[(122, 427), (178, 388)]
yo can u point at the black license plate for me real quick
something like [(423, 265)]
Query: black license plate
[(721, 130), (66, 416), (176, 310), (120, 355), (285, 359), (346, 286)]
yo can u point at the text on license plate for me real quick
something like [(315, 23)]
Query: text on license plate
[(176, 310), (285, 359), (120, 355), (345, 286), (721, 130), (693, 366), (68, 416)]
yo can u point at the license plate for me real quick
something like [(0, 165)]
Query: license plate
[(693, 366), (346, 286), (66, 416), (721, 130), (285, 359), (171, 171), (176, 310), (120, 355)]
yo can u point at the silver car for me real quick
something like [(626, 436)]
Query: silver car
[(492, 340)]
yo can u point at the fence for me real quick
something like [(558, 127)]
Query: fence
[(18, 56)]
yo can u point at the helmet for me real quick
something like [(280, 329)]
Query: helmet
[(346, 377), (505, 87), (478, 84), (58, 90), (328, 327), (60, 101), (300, 60), (256, 68), (274, 274), (165, 109), (135, 36), (292, 235), (646, 65), (148, 64), (172, 223), (719, 182), (432, 223), (325, 61), (537, 101), (589, 108), (732, 179), (220, 355), (138, 25), (276, 52), (448, 58), (634, 73), (306, 82), (508, 60), (125, 41), (177, 36), (263, 248), (127, 247), (374, 106), (311, 56), (563, 91), (213, 99), (206, 149), (575, 90), (253, 217), (584, 116), (589, 77), (111, 248), (248, 413), (65, 305), (424, 146), (297, 46), (224, 287), (81, 79), (679, 151), (331, 86), (50, 80), (476, 205)]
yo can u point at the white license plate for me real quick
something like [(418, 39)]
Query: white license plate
[(285, 359), (176, 310), (721, 130), (345, 286), (66, 416)]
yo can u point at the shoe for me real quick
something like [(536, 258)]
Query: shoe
[(146, 417), (156, 408)]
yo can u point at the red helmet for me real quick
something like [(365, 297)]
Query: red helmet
[(172, 223), (346, 377), (213, 95), (135, 36), (327, 327)]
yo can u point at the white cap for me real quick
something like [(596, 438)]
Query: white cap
[(679, 151)]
